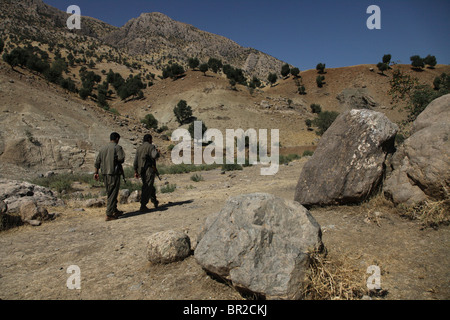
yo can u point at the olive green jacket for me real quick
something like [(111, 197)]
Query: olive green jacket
[(146, 156), (105, 158)]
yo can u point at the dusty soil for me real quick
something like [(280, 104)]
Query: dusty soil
[(112, 255)]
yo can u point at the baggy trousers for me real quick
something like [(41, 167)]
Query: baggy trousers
[(112, 184), (148, 188)]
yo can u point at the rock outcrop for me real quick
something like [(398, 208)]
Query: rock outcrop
[(16, 193)]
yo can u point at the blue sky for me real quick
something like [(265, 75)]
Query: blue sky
[(302, 32)]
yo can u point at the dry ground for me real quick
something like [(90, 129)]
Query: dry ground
[(112, 255)]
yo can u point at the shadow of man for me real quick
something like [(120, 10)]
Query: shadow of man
[(162, 207)]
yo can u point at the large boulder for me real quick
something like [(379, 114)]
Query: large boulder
[(349, 163), (168, 246), (16, 193), (261, 243), (421, 166)]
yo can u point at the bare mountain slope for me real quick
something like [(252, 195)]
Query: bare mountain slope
[(157, 35)]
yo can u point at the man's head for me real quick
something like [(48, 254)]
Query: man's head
[(114, 137), (148, 138)]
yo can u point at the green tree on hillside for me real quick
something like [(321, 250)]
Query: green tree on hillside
[(430, 61), (382, 67), (204, 68), (321, 68), (150, 122), (183, 112), (295, 72), (417, 62), (319, 81), (324, 121), (272, 78), (387, 59), (193, 63), (215, 64), (285, 70)]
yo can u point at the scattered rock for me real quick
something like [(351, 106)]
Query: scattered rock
[(123, 196), (168, 246), (349, 163), (260, 243), (34, 223), (135, 196), (265, 104), (95, 203)]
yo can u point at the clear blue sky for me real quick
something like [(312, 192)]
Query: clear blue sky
[(302, 32)]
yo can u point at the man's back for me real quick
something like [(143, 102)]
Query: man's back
[(145, 154), (105, 158)]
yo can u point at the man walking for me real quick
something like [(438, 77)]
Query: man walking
[(110, 160), (145, 167)]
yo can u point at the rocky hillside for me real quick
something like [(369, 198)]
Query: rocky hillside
[(162, 38), (152, 37)]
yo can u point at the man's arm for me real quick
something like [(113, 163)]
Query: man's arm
[(97, 166)]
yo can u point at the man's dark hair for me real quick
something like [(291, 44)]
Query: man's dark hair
[(148, 137), (114, 136)]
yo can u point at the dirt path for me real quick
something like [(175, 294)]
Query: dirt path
[(414, 263)]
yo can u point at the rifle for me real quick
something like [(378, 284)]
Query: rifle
[(155, 170)]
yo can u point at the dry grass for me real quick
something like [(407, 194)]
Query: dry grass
[(430, 213), (332, 278)]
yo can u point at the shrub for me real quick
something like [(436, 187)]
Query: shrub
[(289, 158), (173, 71), (417, 62), (215, 64), (324, 121), (182, 112), (168, 188), (272, 78), (192, 128), (193, 63), (319, 81), (382, 67), (285, 70), (204, 68), (321, 68), (150, 122), (307, 153), (316, 108), (295, 72), (197, 177), (231, 167), (430, 61)]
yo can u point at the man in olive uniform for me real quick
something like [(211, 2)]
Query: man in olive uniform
[(110, 160), (145, 167)]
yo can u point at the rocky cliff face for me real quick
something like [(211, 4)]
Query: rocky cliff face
[(157, 35)]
